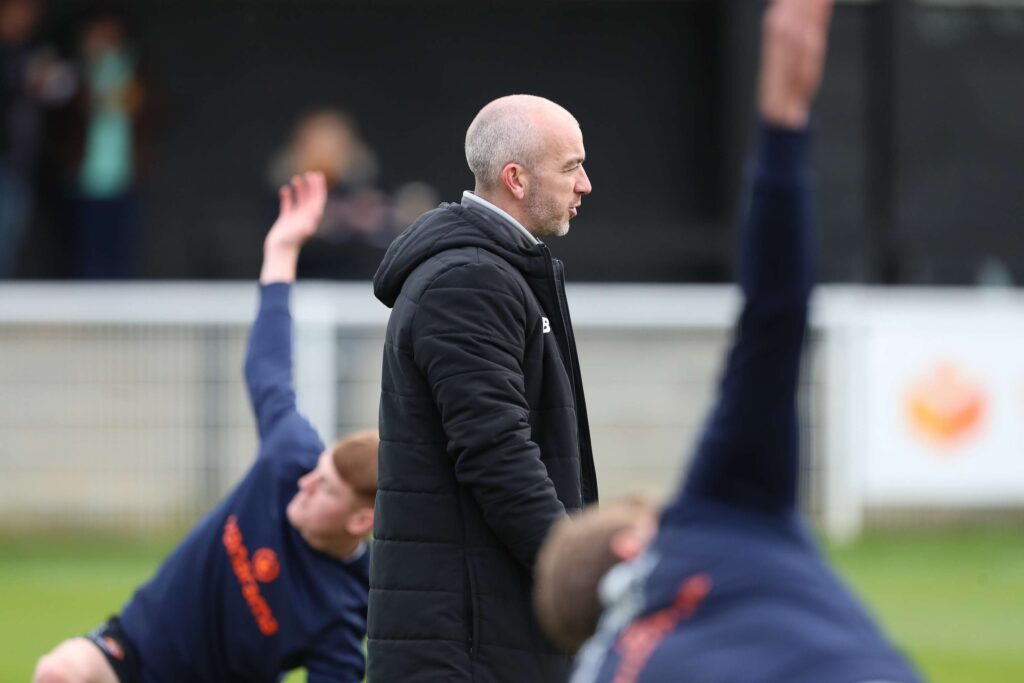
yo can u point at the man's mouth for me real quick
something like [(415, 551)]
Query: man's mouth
[(572, 211)]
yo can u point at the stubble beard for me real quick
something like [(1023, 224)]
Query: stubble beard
[(547, 217)]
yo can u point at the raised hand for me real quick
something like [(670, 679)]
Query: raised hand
[(302, 206), (793, 50)]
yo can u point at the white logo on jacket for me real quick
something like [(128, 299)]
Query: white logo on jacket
[(545, 324)]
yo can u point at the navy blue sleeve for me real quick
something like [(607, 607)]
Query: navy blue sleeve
[(268, 368), (339, 653), (338, 662), (748, 453)]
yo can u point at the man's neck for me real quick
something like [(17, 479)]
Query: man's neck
[(506, 211), (345, 548), (497, 200), (350, 551)]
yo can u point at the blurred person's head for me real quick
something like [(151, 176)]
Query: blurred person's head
[(576, 555), (18, 20), (104, 30), (526, 154), (328, 141), (411, 201), (333, 508)]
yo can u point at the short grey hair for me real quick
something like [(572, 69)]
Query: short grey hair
[(503, 132)]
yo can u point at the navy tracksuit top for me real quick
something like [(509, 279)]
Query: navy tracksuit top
[(244, 597), (733, 589)]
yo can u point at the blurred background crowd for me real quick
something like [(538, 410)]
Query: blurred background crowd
[(86, 126), (145, 139), (75, 138)]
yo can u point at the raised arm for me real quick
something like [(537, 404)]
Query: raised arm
[(268, 363), (748, 454)]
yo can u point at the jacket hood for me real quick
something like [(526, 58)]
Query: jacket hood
[(452, 226)]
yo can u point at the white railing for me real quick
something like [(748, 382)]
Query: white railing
[(123, 405)]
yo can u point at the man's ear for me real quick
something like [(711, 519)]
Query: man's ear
[(512, 177), (360, 523), (627, 544)]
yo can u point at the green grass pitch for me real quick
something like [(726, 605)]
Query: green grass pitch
[(954, 601)]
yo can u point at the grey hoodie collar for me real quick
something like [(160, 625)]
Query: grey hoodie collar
[(470, 199)]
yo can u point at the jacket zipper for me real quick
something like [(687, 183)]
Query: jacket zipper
[(471, 622), (469, 588), (557, 274)]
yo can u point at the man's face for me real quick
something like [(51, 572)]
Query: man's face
[(324, 502), (557, 181)]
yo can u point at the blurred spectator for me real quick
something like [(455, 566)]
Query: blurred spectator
[(359, 220), (103, 146), (29, 77)]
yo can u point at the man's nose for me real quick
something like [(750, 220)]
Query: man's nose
[(583, 185)]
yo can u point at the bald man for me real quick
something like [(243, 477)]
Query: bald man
[(484, 435)]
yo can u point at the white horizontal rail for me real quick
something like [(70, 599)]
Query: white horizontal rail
[(592, 305), (847, 319)]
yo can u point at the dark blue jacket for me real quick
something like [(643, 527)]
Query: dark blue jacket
[(484, 445), (244, 597), (733, 589)]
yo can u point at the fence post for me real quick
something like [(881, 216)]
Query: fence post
[(316, 373), (842, 502)]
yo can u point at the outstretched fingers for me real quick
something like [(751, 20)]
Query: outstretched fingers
[(821, 13), (287, 202), (301, 190), (316, 188), (305, 192), (793, 53)]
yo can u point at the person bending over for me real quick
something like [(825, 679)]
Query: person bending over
[(727, 584), (276, 576)]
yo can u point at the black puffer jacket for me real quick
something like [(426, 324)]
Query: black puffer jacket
[(484, 444)]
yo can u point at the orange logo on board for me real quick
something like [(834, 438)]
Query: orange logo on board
[(248, 573), (944, 406)]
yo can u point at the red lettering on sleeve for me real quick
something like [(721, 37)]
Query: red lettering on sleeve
[(639, 641)]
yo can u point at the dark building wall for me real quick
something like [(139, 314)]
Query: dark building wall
[(961, 139), (640, 76), (663, 91), (919, 151)]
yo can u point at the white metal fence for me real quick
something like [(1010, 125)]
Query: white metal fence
[(123, 407)]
